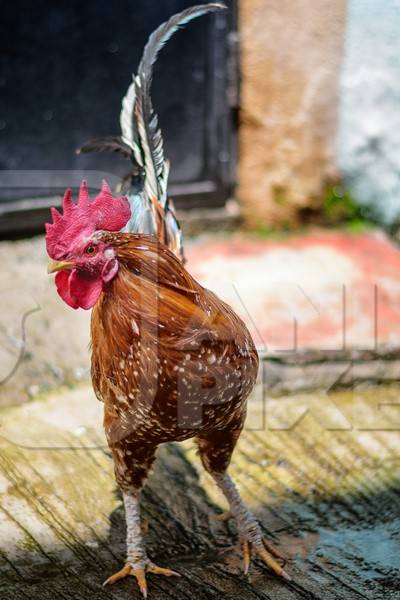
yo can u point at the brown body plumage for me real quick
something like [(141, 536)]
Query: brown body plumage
[(170, 360)]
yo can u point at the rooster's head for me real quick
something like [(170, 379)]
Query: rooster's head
[(84, 264)]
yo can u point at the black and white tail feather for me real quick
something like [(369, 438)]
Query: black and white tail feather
[(141, 141)]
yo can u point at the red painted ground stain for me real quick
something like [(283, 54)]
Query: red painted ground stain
[(372, 303)]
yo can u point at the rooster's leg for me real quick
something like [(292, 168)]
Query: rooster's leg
[(137, 563), (250, 533), (215, 451)]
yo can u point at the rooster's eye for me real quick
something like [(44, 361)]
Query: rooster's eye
[(90, 250)]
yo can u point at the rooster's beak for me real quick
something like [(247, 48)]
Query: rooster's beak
[(59, 265)]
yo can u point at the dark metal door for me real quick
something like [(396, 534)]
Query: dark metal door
[(65, 66)]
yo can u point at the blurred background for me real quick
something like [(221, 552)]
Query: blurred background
[(281, 120), (308, 93)]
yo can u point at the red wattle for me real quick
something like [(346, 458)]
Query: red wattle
[(84, 288), (78, 288), (62, 283)]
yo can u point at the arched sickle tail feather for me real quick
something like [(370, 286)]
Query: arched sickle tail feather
[(141, 140), (144, 132), (106, 144)]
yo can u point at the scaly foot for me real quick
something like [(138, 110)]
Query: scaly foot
[(251, 538), (250, 533), (266, 552), (140, 574)]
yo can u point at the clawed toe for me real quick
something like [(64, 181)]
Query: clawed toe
[(140, 575), (246, 547), (274, 551), (266, 553), (162, 571), (121, 574), (222, 517)]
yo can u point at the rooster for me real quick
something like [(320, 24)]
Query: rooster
[(170, 360)]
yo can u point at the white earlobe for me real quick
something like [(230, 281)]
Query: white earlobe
[(110, 270)]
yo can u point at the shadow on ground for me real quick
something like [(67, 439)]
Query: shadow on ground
[(345, 548)]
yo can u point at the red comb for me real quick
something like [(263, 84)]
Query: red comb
[(105, 212)]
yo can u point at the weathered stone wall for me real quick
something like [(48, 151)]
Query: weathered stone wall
[(291, 54)]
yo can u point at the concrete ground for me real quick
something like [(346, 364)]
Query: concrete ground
[(325, 290), (322, 475)]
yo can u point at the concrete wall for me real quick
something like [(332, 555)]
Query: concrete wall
[(320, 98), (368, 143), (291, 54)]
